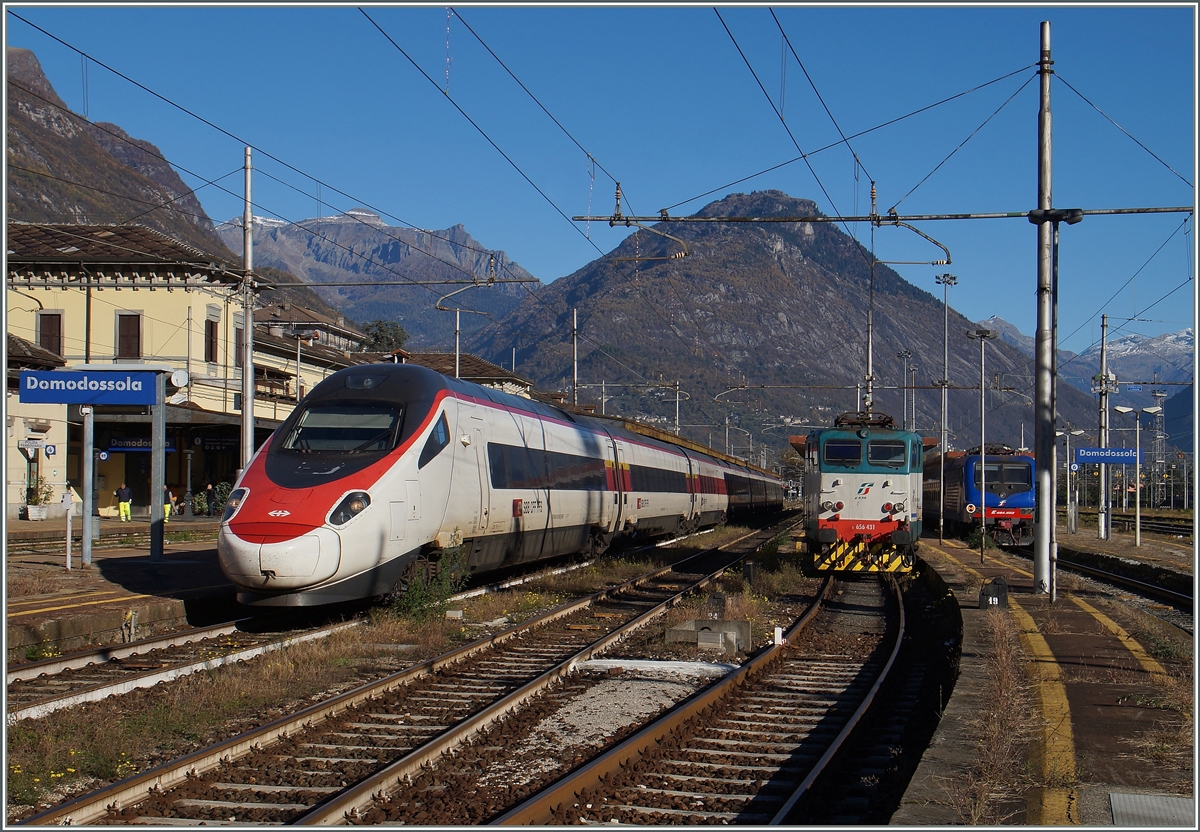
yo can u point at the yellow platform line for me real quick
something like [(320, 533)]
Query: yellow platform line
[(27, 603), (120, 599), (1157, 672), (1052, 805)]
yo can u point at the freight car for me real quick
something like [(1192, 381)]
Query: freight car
[(862, 495), (383, 468), (1008, 476)]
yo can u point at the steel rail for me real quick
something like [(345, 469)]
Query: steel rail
[(151, 678), (1165, 594), (349, 805), (83, 658), (92, 807), (538, 810), (836, 746)]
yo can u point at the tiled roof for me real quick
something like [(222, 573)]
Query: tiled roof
[(45, 242), (25, 355), (471, 367)]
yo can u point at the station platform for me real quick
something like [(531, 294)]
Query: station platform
[(123, 594), (1096, 691)]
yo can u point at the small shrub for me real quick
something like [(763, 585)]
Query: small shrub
[(426, 596)]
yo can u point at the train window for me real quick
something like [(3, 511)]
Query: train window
[(1007, 473), (439, 438), (917, 454), (843, 452), (349, 429), (887, 452)]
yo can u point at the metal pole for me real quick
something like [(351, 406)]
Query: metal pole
[(1137, 474), (982, 452), (1103, 519), (947, 280), (247, 329), (913, 370), (158, 446), (89, 482), (297, 368), (904, 354), (602, 398), (457, 315), (1043, 388), (575, 357), (676, 408)]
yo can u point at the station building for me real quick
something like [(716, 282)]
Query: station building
[(126, 294)]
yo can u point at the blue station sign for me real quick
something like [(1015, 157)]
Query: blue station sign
[(1109, 456), (90, 387)]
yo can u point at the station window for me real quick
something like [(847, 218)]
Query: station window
[(129, 335), (210, 341), (50, 334)]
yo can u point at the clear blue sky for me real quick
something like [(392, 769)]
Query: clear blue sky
[(664, 102)]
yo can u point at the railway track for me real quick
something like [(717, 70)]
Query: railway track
[(39, 688), (332, 754), (748, 749)]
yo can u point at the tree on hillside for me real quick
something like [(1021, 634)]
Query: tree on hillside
[(383, 336)]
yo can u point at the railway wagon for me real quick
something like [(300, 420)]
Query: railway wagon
[(862, 495), (383, 468), (1008, 476)]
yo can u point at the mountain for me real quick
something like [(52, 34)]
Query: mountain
[(779, 309), (1162, 362), (63, 169), (359, 247)]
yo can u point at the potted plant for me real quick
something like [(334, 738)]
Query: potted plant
[(38, 500)]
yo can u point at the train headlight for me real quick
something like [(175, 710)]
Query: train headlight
[(351, 506), (839, 505), (900, 507), (886, 508), (233, 502), (827, 505)]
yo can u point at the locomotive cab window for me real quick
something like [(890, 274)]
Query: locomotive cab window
[(843, 452), (439, 438), (1006, 473), (889, 453), (348, 429)]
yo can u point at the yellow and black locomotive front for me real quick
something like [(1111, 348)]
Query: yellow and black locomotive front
[(862, 487)]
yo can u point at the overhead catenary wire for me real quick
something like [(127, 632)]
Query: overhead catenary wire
[(221, 130), (481, 131), (1122, 129), (832, 145), (962, 143)]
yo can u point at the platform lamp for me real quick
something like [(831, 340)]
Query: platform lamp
[(1072, 494), (983, 335), (1137, 466)]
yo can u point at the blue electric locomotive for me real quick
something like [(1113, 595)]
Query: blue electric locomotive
[(1008, 476)]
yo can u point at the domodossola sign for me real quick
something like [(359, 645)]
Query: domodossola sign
[(1112, 456), (91, 387)]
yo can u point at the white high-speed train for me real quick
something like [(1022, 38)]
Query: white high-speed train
[(383, 467)]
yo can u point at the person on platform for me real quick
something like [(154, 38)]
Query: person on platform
[(210, 498), (124, 496), (168, 504)]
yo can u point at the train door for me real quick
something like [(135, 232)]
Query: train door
[(485, 486)]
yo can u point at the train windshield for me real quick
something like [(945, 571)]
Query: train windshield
[(1007, 473), (345, 428), (887, 452), (843, 452)]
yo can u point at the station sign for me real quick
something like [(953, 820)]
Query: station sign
[(31, 444), (90, 387), (1134, 388), (125, 444), (1110, 456)]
